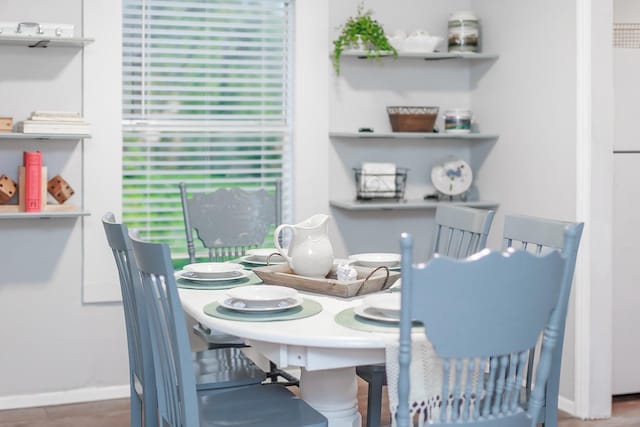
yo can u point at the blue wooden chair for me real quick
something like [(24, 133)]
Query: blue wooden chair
[(473, 315), (211, 369), (540, 235), (228, 222), (179, 404), (459, 232)]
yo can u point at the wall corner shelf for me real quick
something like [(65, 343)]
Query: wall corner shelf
[(413, 135), (354, 205), (50, 211), (44, 42), (44, 136), (431, 56)]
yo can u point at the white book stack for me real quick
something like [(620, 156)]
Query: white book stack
[(55, 122)]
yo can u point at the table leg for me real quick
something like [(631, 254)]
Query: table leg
[(334, 393)]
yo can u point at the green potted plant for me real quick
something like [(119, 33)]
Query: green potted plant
[(362, 32)]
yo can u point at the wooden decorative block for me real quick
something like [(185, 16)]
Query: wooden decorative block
[(8, 188), (59, 189), (6, 124)]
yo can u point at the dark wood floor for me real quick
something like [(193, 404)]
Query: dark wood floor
[(115, 413)]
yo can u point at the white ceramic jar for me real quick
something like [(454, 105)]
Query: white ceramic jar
[(464, 32), (457, 120)]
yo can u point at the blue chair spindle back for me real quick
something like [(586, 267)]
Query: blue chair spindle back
[(485, 333)]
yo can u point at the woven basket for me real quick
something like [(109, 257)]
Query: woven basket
[(412, 119)]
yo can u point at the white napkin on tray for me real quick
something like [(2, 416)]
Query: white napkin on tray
[(378, 180)]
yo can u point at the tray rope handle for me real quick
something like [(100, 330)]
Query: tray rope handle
[(371, 274), (269, 257)]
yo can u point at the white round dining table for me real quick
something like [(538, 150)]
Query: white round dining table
[(325, 351)]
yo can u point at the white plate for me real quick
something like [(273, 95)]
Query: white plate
[(376, 259), (385, 303), (262, 293), (261, 306), (189, 275), (374, 314), (214, 270), (261, 255), (249, 259)]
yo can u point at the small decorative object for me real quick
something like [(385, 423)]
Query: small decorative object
[(452, 178), (310, 252), (464, 32), (346, 273), (457, 121), (419, 41), (6, 124), (375, 181), (8, 188), (59, 189), (362, 32), (412, 119)]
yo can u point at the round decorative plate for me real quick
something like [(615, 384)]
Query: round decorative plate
[(195, 277), (261, 306), (452, 178), (376, 259), (262, 293), (214, 270)]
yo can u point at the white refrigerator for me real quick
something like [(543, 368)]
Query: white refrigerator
[(626, 220)]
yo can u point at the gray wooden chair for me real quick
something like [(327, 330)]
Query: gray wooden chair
[(489, 330), (540, 235), (459, 232), (228, 222), (178, 403), (211, 369)]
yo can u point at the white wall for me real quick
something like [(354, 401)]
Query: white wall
[(56, 348)]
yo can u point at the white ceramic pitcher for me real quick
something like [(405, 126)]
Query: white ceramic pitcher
[(310, 252)]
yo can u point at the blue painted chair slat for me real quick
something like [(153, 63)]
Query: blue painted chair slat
[(541, 235), (482, 329), (210, 369), (178, 403), (459, 232)]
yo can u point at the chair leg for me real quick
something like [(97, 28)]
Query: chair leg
[(135, 403), (374, 401)]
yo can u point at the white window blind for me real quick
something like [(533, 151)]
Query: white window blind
[(206, 100)]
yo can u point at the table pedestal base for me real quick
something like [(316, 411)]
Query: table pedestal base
[(334, 393)]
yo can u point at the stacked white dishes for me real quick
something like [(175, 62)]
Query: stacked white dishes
[(261, 298), (373, 260), (213, 272), (384, 307), (263, 256)]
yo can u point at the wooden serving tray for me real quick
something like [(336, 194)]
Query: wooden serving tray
[(282, 275)]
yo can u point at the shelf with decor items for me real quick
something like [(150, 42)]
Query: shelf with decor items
[(56, 134)]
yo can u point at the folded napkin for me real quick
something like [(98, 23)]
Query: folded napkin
[(378, 180)]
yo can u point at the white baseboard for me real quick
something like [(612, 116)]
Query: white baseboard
[(64, 397), (566, 405)]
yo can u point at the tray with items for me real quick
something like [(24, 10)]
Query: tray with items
[(368, 280)]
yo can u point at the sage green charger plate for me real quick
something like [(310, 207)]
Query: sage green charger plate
[(351, 320), (252, 279), (308, 308)]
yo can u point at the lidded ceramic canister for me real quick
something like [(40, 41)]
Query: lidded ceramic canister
[(464, 32), (457, 120)]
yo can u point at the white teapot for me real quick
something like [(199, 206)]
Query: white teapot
[(310, 252)]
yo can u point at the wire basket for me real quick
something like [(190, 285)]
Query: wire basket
[(412, 119), (374, 186)]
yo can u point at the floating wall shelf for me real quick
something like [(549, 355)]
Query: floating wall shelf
[(38, 42), (411, 135), (353, 205)]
